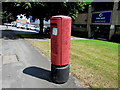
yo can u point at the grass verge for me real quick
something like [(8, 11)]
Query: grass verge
[(93, 62)]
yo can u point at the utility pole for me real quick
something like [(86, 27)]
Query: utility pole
[(89, 21), (114, 18)]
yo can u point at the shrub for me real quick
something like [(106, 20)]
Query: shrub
[(115, 38), (80, 33)]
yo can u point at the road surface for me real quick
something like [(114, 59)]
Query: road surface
[(23, 66)]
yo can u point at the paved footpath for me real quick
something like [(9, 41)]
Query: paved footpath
[(23, 66)]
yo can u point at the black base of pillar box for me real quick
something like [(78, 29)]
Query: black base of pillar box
[(60, 74)]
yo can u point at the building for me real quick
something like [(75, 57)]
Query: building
[(100, 19)]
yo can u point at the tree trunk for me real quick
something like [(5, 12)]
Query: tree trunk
[(41, 26)]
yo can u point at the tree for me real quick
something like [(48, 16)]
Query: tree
[(46, 10), (43, 10), (12, 9)]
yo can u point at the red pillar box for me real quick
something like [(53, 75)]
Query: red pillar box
[(60, 47)]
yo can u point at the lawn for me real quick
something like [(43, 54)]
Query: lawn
[(93, 62)]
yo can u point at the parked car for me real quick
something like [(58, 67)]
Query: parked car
[(23, 26), (30, 27), (18, 24), (46, 30), (13, 24), (37, 29), (8, 24)]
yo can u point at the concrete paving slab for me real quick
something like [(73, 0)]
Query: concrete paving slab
[(9, 59)]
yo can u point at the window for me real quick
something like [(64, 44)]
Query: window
[(119, 5)]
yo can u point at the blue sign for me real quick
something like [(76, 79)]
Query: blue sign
[(101, 17)]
